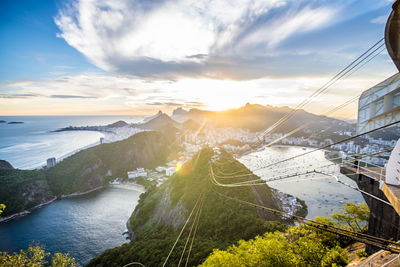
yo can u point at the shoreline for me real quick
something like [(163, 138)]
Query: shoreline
[(29, 211), (131, 186), (25, 212), (81, 193)]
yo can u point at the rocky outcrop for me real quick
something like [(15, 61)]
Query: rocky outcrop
[(167, 214), (36, 193), (5, 164)]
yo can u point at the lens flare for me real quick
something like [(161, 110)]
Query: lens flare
[(178, 167)]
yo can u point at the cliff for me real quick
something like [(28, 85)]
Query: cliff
[(162, 211), (86, 170), (22, 190)]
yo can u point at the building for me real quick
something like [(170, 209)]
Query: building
[(169, 171), (160, 169), (101, 140), (379, 105), (139, 172), (51, 162)]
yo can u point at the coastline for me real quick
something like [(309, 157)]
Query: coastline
[(25, 212), (136, 187), (81, 193), (28, 211), (306, 147), (131, 186)]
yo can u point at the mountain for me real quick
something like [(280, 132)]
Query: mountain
[(258, 117), (162, 211), (158, 123), (153, 117), (117, 124), (84, 171), (190, 125), (179, 114)]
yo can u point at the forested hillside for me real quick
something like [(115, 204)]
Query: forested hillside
[(161, 213), (83, 171)]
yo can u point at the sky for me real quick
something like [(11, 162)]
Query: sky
[(135, 57)]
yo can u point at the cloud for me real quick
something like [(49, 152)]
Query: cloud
[(380, 19), (112, 94), (70, 96), (188, 38), (17, 96), (164, 104)]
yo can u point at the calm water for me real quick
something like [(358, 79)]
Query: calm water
[(323, 195), (83, 226), (28, 145)]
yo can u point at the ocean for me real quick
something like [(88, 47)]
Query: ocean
[(29, 144)]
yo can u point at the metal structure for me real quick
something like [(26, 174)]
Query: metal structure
[(379, 105), (392, 36)]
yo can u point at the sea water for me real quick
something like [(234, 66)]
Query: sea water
[(322, 194), (29, 144), (82, 226)]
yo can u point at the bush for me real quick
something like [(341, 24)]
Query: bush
[(35, 256)]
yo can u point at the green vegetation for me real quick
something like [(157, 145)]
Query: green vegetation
[(361, 253), (37, 257), (23, 189), (145, 182), (297, 246), (355, 217), (89, 168), (222, 221), (157, 221), (2, 208)]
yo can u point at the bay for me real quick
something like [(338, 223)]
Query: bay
[(83, 226), (322, 194)]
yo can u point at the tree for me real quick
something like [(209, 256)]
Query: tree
[(298, 246), (35, 256), (354, 216), (2, 208)]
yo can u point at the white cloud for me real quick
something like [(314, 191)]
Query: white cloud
[(293, 22), (183, 37), (380, 19)]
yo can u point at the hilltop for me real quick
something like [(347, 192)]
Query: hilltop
[(252, 117), (158, 122), (162, 211), (5, 164), (258, 117)]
